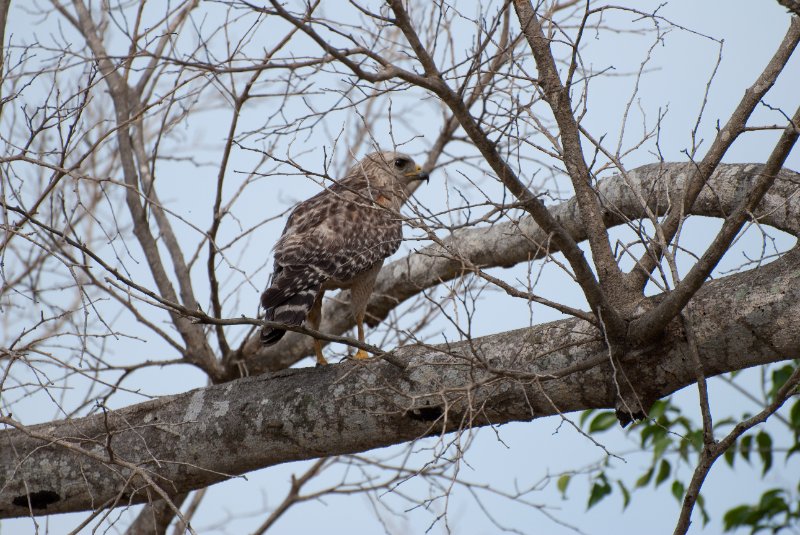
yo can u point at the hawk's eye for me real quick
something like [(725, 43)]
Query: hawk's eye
[(400, 163)]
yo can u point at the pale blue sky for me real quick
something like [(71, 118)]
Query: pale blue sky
[(528, 452)]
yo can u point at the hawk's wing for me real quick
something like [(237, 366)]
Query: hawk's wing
[(334, 235), (338, 234)]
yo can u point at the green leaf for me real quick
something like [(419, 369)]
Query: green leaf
[(562, 484), (730, 456), (764, 442), (647, 433), (645, 479), (602, 422), (736, 517), (696, 439), (585, 416), (794, 449), (652, 433), (746, 446), (725, 421), (685, 423), (772, 513), (626, 496), (701, 502), (773, 503), (660, 445), (683, 449), (663, 472), (658, 409), (794, 416), (600, 490), (779, 378), (677, 490)]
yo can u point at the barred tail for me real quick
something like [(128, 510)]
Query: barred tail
[(285, 303)]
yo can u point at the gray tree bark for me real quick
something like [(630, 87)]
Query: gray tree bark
[(208, 435)]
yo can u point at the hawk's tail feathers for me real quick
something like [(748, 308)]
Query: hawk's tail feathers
[(291, 310)]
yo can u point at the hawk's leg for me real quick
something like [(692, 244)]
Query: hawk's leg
[(359, 297), (313, 321), (318, 352), (360, 354)]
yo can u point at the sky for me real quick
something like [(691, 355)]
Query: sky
[(515, 455)]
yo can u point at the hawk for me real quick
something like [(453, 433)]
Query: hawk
[(339, 239)]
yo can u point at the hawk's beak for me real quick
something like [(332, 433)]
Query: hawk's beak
[(419, 174)]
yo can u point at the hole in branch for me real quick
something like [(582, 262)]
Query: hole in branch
[(425, 414), (38, 500)]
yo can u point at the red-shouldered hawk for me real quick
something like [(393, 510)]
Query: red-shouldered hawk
[(339, 239)]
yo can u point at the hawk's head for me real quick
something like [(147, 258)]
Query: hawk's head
[(392, 176)]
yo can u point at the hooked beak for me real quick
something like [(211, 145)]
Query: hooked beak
[(419, 174)]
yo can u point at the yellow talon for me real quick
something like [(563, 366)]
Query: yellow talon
[(361, 355)]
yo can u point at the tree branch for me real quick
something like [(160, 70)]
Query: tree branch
[(155, 517), (557, 96), (711, 452), (309, 413), (792, 5), (198, 350), (722, 142)]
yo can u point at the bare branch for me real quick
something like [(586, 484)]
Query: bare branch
[(722, 142), (557, 96)]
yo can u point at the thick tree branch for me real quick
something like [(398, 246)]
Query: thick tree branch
[(310, 413)]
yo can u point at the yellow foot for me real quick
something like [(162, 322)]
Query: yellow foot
[(361, 355)]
